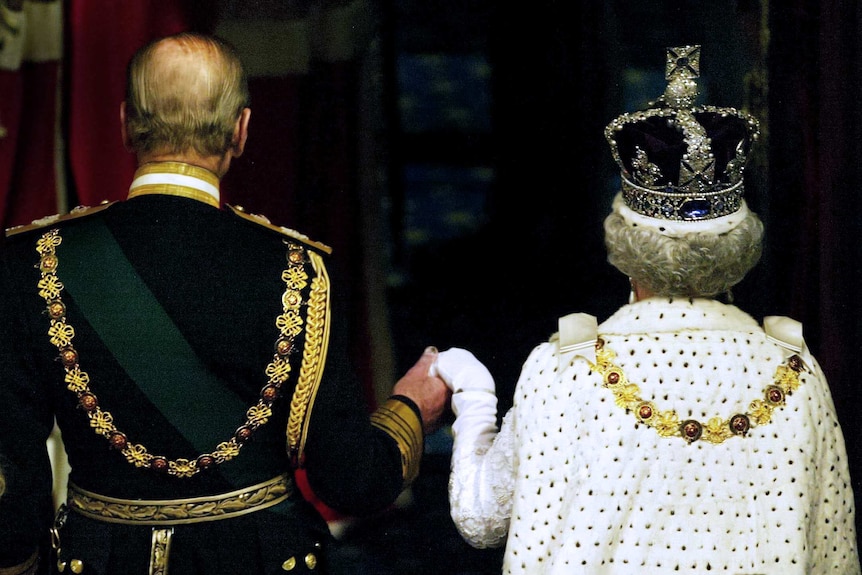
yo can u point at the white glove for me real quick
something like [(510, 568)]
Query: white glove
[(482, 479), (474, 400)]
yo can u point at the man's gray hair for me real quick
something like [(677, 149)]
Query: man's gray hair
[(189, 103)]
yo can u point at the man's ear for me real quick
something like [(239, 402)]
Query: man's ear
[(124, 132), (240, 133)]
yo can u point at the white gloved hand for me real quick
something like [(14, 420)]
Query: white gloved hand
[(474, 400)]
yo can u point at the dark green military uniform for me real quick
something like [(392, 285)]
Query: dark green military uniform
[(193, 358)]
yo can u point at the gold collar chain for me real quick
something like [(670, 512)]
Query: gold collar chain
[(717, 430), (289, 324)]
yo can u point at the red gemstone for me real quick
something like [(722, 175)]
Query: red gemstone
[(56, 310), (613, 378), (269, 393), (283, 346), (48, 263), (69, 357), (295, 256), (691, 430), (88, 401), (206, 461), (774, 394), (739, 424), (118, 440), (645, 411), (243, 433), (159, 463)]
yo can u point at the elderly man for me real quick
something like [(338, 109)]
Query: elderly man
[(190, 355)]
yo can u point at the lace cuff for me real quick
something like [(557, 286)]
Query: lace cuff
[(481, 489)]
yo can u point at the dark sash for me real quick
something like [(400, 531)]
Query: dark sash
[(145, 341)]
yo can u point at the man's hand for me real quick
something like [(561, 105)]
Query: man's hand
[(427, 391)]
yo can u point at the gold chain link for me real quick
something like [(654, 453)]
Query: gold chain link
[(78, 382)]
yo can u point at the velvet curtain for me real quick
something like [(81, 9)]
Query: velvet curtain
[(815, 81), (30, 54), (101, 36), (311, 158)]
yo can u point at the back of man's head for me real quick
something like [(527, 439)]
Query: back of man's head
[(184, 94)]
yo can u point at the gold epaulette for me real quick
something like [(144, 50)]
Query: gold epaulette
[(75, 213), (292, 234)]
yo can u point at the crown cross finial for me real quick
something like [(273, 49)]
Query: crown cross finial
[(683, 61), (682, 69)]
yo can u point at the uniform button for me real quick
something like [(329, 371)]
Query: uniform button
[(311, 560), (76, 566), (289, 564)]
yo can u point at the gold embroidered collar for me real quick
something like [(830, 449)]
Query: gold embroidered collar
[(176, 179)]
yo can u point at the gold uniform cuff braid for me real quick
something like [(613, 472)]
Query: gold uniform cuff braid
[(401, 422), (26, 567)]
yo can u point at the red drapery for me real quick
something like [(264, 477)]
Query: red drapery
[(30, 54), (102, 35), (28, 174)]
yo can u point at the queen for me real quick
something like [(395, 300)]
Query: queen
[(680, 435)]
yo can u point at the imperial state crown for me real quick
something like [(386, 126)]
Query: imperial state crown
[(681, 161)]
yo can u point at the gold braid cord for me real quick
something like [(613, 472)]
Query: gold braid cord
[(160, 551), (401, 423), (717, 430), (289, 324), (313, 360)]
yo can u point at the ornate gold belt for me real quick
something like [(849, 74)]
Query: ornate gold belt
[(180, 511)]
